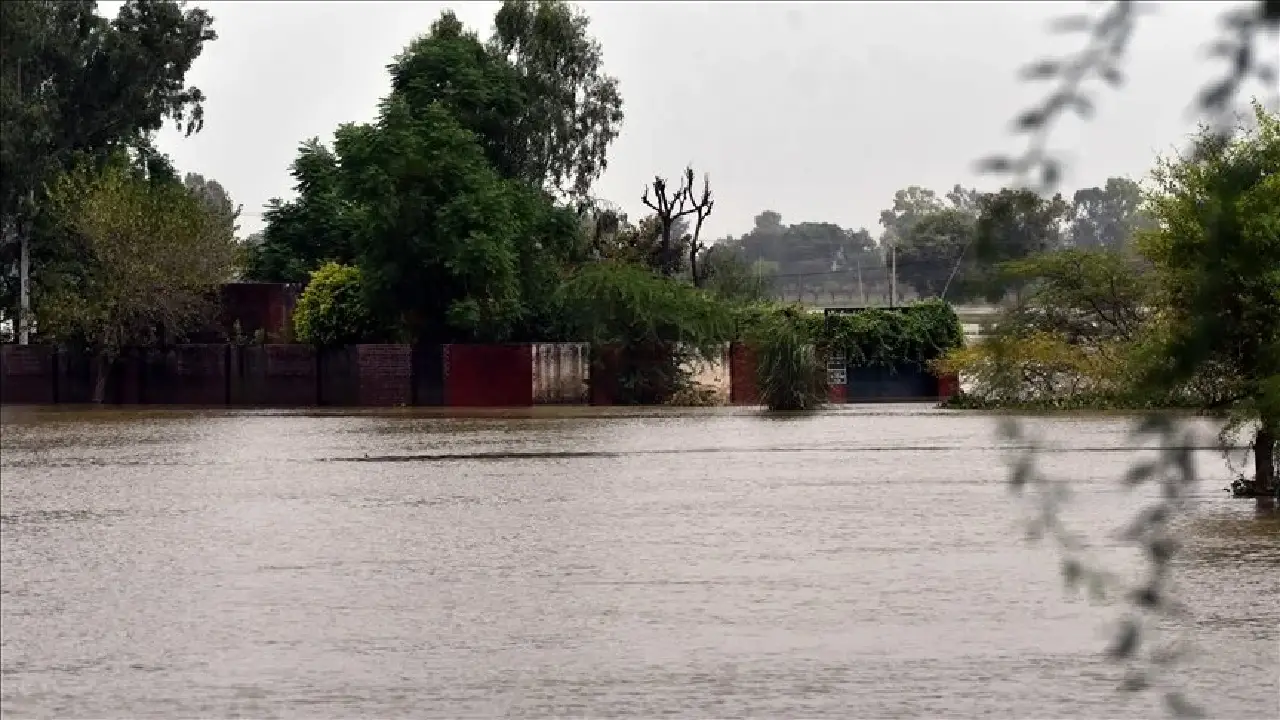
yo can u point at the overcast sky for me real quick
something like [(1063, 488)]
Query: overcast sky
[(817, 111)]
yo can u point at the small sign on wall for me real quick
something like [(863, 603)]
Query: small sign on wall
[(837, 370)]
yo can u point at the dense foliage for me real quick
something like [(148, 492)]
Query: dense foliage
[(76, 87), (791, 374), (151, 258), (794, 345), (910, 337), (1185, 313), (658, 326), (332, 310)]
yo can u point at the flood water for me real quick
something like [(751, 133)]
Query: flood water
[(862, 563)]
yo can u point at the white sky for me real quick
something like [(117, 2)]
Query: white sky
[(817, 111)]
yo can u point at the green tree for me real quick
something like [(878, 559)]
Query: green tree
[(1106, 217), (332, 310), (1013, 224), (75, 85), (572, 109), (481, 89), (1216, 248), (152, 256), (301, 235), (215, 198), (436, 227), (931, 247), (731, 277)]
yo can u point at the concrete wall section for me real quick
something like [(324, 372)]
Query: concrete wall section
[(561, 373), (713, 375)]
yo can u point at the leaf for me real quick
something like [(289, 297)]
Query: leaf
[(1126, 642), (996, 164), (1072, 571), (1042, 70), (1030, 120), (1140, 473), (1216, 96)]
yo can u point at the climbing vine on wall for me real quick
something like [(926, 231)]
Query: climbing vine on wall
[(905, 338)]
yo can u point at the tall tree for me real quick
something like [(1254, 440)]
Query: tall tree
[(909, 205), (301, 235), (153, 254), (1217, 253), (1013, 224), (930, 248), (573, 109), (481, 89), (215, 198), (672, 207), (1106, 217), (73, 84)]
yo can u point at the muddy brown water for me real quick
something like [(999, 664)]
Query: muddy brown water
[(861, 563)]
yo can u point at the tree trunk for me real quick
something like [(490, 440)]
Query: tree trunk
[(1264, 460), (102, 368)]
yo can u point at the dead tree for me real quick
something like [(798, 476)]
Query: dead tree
[(701, 205), (670, 207)]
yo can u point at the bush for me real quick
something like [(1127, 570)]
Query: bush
[(790, 373), (660, 325), (911, 337), (332, 310)]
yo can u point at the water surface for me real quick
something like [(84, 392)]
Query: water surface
[(865, 562)]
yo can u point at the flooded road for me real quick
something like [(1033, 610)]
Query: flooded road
[(862, 563)]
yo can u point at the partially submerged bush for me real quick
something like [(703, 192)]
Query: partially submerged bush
[(790, 373), (659, 325)]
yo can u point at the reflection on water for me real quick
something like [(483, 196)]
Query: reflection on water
[(597, 562)]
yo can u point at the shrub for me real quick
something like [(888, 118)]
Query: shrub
[(790, 373), (332, 309)]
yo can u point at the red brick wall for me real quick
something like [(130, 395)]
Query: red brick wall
[(27, 375), (488, 375), (186, 375), (837, 393), (742, 375), (385, 375), (605, 374), (258, 306), (948, 386), (274, 376)]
